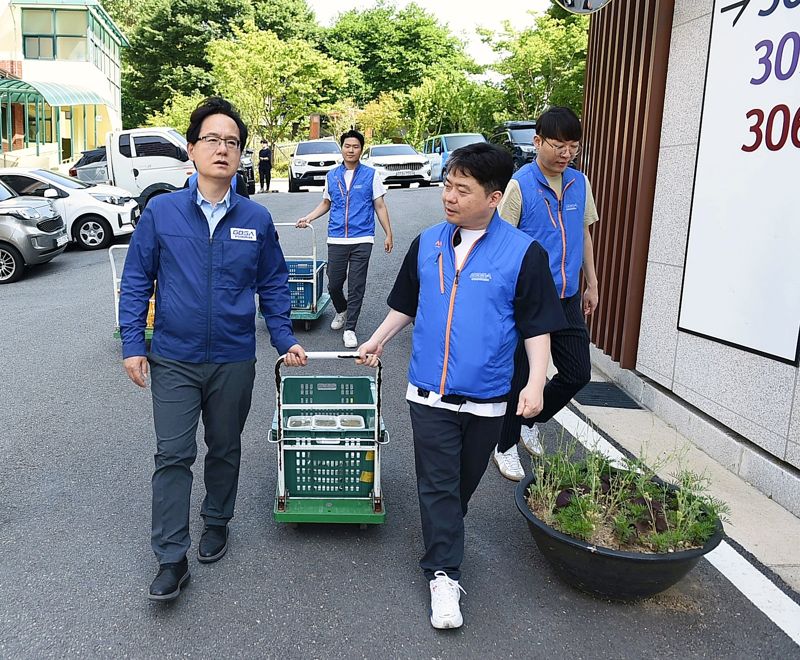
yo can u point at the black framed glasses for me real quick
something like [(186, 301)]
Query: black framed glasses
[(213, 141), (568, 149)]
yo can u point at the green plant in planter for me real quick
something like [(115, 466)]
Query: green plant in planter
[(623, 508)]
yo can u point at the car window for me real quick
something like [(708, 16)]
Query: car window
[(394, 150), (155, 145), (437, 145), (125, 145), (324, 147), (366, 154), (457, 141), (25, 185), (92, 156), (523, 135), (63, 180), (5, 191)]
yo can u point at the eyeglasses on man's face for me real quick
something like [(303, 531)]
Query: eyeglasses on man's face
[(560, 148), (213, 142)]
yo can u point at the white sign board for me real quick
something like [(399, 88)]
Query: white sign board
[(741, 282)]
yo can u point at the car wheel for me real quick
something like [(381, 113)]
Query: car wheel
[(11, 264), (91, 232), (444, 175), (293, 186), (251, 188)]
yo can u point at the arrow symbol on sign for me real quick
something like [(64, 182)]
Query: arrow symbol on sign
[(742, 5)]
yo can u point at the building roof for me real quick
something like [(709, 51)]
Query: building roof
[(54, 93)]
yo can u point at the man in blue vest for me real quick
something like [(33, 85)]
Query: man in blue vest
[(210, 250), (354, 196), (472, 286), (554, 205)]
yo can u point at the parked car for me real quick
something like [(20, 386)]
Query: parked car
[(398, 163), (311, 162), (145, 161), (438, 148), (247, 171), (93, 213), (516, 137), (31, 232)]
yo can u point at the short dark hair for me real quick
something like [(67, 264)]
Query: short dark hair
[(214, 105), (352, 133), (559, 123), (263, 140), (487, 163)]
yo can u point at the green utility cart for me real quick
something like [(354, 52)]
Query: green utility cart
[(329, 435)]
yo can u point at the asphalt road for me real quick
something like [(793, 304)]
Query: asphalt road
[(77, 445)]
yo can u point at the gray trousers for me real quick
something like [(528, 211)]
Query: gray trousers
[(181, 392), (348, 262), (451, 453)]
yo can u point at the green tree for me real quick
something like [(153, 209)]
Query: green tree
[(451, 102), (289, 19), (176, 112), (543, 65), (392, 48), (274, 83), (384, 118)]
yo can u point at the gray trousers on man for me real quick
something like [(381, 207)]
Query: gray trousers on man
[(348, 262), (182, 391)]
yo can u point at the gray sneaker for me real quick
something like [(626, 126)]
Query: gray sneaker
[(338, 320), (530, 440)]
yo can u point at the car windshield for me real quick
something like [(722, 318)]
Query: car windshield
[(523, 135), (5, 192), (180, 138), (457, 141), (62, 180), (305, 148), (393, 150)]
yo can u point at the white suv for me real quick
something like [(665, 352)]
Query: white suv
[(399, 164), (311, 162)]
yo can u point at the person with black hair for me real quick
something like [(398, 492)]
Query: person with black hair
[(354, 196), (265, 166), (473, 286), (554, 205), (209, 250)]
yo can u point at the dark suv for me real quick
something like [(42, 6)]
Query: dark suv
[(517, 138)]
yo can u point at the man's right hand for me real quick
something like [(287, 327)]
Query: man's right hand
[(137, 369), (303, 222), (369, 352)]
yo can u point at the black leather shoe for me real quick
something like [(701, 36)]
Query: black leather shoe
[(171, 577), (213, 543)]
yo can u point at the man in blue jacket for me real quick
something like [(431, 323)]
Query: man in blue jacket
[(554, 205), (473, 286), (210, 251), (354, 196)]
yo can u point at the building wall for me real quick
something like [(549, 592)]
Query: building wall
[(754, 396)]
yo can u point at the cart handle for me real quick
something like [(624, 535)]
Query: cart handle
[(313, 238), (332, 355)]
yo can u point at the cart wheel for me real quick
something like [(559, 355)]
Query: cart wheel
[(308, 325), (362, 526)]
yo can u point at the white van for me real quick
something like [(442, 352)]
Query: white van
[(145, 161)]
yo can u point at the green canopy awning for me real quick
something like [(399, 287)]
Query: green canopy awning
[(54, 94)]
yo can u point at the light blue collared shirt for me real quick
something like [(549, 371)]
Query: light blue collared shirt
[(214, 212)]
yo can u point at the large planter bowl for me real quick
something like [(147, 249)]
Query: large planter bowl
[(613, 574)]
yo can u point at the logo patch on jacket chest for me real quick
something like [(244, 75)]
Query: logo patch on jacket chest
[(238, 234), (571, 207), (480, 277)]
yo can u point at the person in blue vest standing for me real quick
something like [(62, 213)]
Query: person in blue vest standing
[(473, 286), (354, 196), (210, 250), (554, 205)]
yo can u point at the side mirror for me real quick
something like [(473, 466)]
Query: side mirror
[(582, 6), (291, 155), (50, 193), (182, 155)]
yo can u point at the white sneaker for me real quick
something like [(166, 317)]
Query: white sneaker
[(349, 338), (338, 320), (530, 440), (508, 464), (445, 594)]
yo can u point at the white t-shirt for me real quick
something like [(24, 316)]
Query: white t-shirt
[(378, 190), (434, 399)]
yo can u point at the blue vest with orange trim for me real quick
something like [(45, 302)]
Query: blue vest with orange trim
[(557, 225), (352, 213), (465, 333)]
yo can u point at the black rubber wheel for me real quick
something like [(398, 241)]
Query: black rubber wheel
[(251, 188), (11, 264), (91, 232), (293, 187)]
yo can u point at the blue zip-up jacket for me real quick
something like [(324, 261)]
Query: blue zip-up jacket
[(465, 332), (205, 309), (352, 213), (557, 225)]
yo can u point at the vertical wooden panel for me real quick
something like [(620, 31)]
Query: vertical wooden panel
[(623, 105)]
